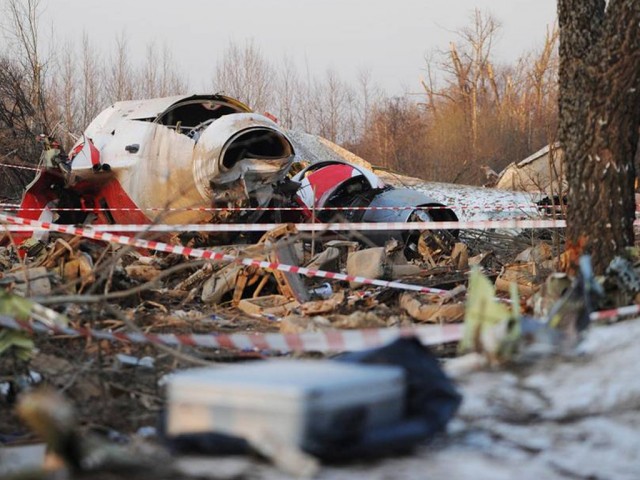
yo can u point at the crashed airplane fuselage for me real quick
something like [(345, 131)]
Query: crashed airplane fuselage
[(159, 160), (209, 158), (196, 159)]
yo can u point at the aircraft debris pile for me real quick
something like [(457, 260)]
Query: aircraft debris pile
[(109, 323), (163, 292)]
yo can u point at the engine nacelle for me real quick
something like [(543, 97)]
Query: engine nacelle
[(163, 159)]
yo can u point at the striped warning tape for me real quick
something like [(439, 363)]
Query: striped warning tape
[(319, 227), (211, 255), (486, 208), (324, 341), (615, 313), (20, 167)]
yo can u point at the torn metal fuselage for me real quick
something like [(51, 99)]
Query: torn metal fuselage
[(335, 191), (166, 160), (209, 158)]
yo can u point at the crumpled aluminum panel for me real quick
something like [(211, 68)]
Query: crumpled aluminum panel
[(400, 197), (468, 202), (471, 203)]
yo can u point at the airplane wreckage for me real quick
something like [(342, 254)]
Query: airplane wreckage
[(209, 159)]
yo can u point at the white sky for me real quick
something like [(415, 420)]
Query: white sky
[(389, 37)]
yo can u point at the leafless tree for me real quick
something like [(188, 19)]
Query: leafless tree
[(149, 76), (368, 95), (159, 77), (331, 98), (305, 111), (243, 72), (63, 94), (544, 83), (17, 128), (170, 81), (21, 28), (121, 77), (480, 112), (288, 92), (91, 86)]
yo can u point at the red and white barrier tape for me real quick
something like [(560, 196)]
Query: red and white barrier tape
[(211, 255), (20, 167), (614, 313), (319, 227), (325, 341), (486, 208)]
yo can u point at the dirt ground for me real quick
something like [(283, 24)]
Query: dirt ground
[(116, 387)]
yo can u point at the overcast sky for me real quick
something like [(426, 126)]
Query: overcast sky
[(389, 37)]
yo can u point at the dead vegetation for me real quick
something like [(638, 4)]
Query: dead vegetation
[(475, 112), (96, 286), (117, 386)]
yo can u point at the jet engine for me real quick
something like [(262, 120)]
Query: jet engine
[(166, 160)]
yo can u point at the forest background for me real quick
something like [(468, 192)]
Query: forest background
[(467, 111)]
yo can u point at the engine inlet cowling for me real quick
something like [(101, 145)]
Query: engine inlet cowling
[(245, 149)]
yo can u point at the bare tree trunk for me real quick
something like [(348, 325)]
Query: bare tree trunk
[(92, 76), (67, 99), (599, 117), (121, 77), (545, 62), (23, 20), (288, 93)]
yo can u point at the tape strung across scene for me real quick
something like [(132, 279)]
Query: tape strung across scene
[(316, 227), (211, 255), (324, 341), (20, 167), (488, 208), (614, 313)]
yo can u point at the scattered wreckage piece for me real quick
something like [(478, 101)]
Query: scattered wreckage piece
[(502, 333), (276, 246), (202, 158), (34, 281), (539, 253), (319, 307), (297, 324), (527, 276), (282, 248), (388, 262), (208, 158), (174, 152), (269, 305), (434, 311), (142, 273), (465, 202), (542, 171), (460, 256)]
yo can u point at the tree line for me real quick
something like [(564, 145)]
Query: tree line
[(467, 111)]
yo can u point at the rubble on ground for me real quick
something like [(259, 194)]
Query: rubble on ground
[(515, 409)]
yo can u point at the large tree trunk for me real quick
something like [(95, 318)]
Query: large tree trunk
[(599, 119)]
